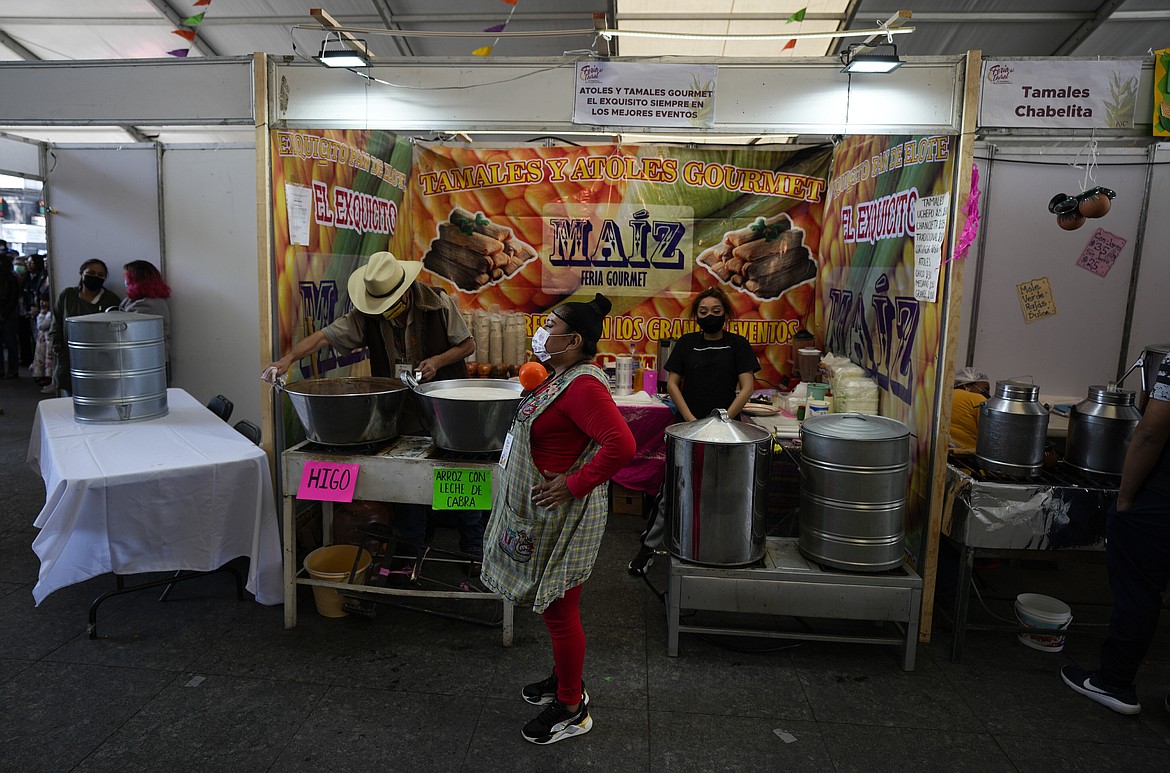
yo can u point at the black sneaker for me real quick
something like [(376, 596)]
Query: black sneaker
[(1122, 701), (642, 561), (544, 692), (557, 723)]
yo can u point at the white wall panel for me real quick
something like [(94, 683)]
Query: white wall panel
[(106, 202), (19, 156), (1081, 345), (209, 198)]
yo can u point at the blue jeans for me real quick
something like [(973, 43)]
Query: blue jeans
[(1137, 555)]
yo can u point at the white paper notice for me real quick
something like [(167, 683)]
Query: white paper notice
[(645, 94), (297, 201), (930, 231)]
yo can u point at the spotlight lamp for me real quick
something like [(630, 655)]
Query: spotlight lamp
[(336, 52), (873, 60)]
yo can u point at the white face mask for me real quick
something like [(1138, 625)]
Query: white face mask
[(540, 339)]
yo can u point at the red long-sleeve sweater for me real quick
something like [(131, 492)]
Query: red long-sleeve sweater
[(584, 411)]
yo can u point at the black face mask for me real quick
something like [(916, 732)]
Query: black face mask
[(92, 283), (712, 323)]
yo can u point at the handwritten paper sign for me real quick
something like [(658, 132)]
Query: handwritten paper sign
[(457, 489), (930, 232), (328, 481), (297, 201), (1101, 252), (1036, 299)]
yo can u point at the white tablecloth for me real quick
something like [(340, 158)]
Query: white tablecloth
[(182, 492)]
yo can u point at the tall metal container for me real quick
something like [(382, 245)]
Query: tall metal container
[(117, 366), (855, 470), (1099, 428), (1013, 427), (716, 499)]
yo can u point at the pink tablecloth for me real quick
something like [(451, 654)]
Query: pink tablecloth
[(648, 467)]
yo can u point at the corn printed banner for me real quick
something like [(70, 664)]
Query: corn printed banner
[(865, 306), (525, 228)]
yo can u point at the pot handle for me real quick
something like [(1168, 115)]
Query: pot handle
[(268, 376), (410, 380)]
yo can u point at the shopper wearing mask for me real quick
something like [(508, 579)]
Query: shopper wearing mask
[(147, 293), (709, 369), (89, 297), (567, 440), (9, 315)]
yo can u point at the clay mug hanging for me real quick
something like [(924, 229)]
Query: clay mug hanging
[(1095, 202), (1070, 221)]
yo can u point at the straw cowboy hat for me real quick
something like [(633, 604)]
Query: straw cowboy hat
[(379, 284)]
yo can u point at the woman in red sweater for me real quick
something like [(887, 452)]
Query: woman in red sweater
[(567, 440)]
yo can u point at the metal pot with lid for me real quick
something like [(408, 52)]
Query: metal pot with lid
[(716, 481), (854, 472), (1013, 427), (1099, 428)]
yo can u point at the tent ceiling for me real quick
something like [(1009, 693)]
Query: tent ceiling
[(122, 29)]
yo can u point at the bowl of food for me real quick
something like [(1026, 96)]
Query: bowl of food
[(470, 415)]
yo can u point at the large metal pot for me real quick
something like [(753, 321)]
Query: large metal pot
[(716, 480), (1013, 427), (854, 471), (348, 411), (1099, 428), (468, 425), (117, 364)]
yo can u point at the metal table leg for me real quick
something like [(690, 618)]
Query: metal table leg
[(910, 648), (673, 596), (962, 597)]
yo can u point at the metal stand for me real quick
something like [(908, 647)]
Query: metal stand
[(400, 471), (169, 582), (789, 584)]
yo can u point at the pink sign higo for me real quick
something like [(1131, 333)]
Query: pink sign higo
[(328, 481)]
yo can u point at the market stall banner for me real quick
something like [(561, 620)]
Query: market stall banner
[(337, 199), (645, 94), (1059, 93), (1162, 92), (866, 307), (521, 229)]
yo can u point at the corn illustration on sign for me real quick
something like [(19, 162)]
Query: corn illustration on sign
[(1162, 93)]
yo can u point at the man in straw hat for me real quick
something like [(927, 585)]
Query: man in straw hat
[(407, 326)]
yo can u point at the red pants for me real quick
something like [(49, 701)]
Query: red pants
[(563, 620)]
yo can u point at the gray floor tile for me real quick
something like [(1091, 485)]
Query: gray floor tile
[(222, 724), (1081, 756), (354, 729), (20, 564), (869, 749), (702, 743), (53, 716), (617, 742), (865, 684), (13, 587), (31, 632), (709, 679), (9, 668)]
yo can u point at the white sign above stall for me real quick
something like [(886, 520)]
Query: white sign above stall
[(636, 94), (1059, 93)]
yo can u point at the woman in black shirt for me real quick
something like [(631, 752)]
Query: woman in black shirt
[(706, 369)]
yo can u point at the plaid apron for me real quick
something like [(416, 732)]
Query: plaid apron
[(531, 554)]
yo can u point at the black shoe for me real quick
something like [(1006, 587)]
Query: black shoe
[(557, 723), (1122, 701), (642, 561), (544, 692)]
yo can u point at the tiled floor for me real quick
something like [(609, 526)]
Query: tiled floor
[(206, 683)]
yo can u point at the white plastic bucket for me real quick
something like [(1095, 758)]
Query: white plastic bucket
[(1034, 610)]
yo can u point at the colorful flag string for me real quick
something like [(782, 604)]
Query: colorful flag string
[(796, 17), (189, 34), (487, 50)]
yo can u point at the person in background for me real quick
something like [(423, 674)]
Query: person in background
[(89, 297), (1137, 558), (709, 368), (972, 389), (147, 293), (9, 315), (42, 367), (407, 326), (24, 325), (36, 286), (567, 440)]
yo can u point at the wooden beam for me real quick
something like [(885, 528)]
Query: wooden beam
[(323, 18)]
